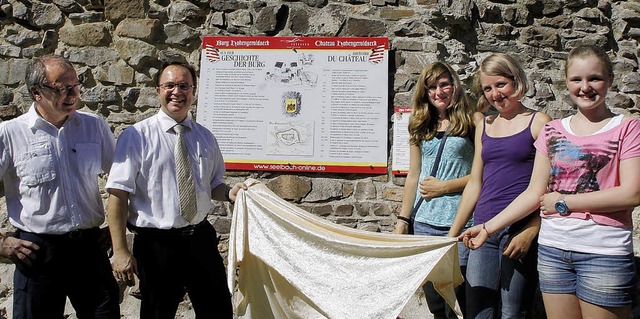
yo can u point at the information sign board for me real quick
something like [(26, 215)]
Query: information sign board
[(299, 104)]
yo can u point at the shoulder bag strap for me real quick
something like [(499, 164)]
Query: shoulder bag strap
[(434, 170)]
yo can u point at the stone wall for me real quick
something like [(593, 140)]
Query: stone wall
[(117, 47)]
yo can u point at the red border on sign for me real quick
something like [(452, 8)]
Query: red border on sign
[(213, 46), (323, 43), (306, 168)]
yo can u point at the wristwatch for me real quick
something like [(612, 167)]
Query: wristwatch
[(561, 206)]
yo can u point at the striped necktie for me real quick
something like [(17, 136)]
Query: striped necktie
[(184, 176)]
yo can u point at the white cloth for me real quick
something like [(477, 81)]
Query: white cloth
[(144, 166), (51, 175), (293, 264)]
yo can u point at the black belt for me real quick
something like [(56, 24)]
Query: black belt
[(74, 234), (175, 232)]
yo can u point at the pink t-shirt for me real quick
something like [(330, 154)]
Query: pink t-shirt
[(583, 164)]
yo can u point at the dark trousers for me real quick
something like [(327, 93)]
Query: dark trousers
[(437, 305), (71, 265), (178, 261)]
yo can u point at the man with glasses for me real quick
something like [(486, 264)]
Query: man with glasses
[(166, 170), (50, 159)]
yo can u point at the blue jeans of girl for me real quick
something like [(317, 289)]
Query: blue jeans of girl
[(497, 286)]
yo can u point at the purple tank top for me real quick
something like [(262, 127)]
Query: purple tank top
[(508, 162)]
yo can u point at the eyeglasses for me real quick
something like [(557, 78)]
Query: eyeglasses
[(441, 86), (169, 86), (63, 90)]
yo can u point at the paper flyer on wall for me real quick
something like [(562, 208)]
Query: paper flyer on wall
[(299, 104), (400, 152)]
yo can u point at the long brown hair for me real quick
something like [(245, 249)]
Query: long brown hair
[(423, 124)]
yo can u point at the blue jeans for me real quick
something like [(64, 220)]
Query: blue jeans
[(603, 280), (493, 279), (436, 303)]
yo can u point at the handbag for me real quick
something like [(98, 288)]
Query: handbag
[(434, 170)]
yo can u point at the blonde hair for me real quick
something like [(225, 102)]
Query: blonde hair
[(587, 51), (500, 64), (423, 124)]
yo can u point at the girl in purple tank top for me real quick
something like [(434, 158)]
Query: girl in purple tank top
[(503, 271), (586, 183)]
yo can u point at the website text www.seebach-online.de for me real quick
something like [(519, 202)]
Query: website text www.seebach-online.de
[(289, 167)]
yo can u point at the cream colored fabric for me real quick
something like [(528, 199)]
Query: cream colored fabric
[(292, 264)]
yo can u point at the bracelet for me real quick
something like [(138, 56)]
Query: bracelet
[(227, 196), (404, 219), (484, 227)]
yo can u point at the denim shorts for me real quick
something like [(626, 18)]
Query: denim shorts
[(603, 280)]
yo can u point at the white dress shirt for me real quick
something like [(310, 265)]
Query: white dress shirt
[(144, 166), (51, 175)]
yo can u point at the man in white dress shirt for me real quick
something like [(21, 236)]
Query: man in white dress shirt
[(50, 159), (173, 253)]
